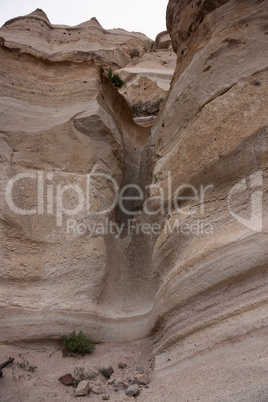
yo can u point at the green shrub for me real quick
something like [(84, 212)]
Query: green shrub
[(157, 104), (25, 365), (105, 397), (78, 376), (32, 368), (115, 79), (80, 343), (121, 366)]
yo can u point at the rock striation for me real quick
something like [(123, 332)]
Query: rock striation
[(62, 119), (198, 283), (212, 137)]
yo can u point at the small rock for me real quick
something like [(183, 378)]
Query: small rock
[(119, 385), (111, 381), (143, 379), (107, 372), (90, 373), (98, 390), (82, 388), (135, 381), (139, 369), (121, 395), (133, 390), (66, 379)]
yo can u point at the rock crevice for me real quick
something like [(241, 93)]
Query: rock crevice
[(200, 281)]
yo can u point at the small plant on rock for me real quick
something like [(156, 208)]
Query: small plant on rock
[(32, 368), (78, 343), (78, 376), (121, 366), (146, 108), (106, 372), (25, 365), (115, 79), (157, 104)]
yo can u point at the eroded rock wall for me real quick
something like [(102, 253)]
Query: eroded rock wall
[(61, 120), (199, 283), (211, 136)]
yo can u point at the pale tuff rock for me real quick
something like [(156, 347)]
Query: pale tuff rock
[(82, 388), (163, 41), (199, 291), (83, 42), (147, 78), (61, 120), (212, 132), (98, 390)]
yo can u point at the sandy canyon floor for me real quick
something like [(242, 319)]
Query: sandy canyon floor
[(231, 372)]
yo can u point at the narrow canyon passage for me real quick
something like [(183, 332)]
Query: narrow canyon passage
[(193, 277)]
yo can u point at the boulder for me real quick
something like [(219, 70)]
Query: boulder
[(143, 379), (82, 388), (132, 390), (66, 379)]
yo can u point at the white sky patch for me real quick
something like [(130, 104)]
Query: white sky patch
[(146, 16)]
